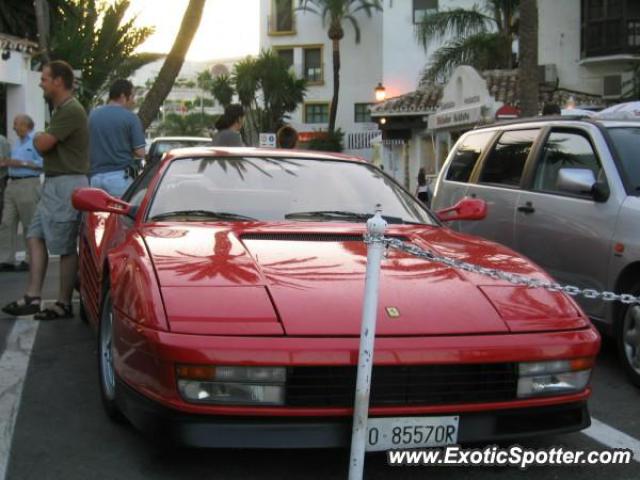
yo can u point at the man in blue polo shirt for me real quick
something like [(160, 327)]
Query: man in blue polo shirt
[(116, 137), (22, 193)]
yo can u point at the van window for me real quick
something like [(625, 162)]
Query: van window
[(466, 155), (627, 145), (505, 163), (564, 150)]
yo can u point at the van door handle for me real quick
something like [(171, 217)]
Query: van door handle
[(526, 208)]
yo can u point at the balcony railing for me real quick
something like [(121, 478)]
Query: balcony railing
[(620, 36)]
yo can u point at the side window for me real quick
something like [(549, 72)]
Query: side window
[(505, 163), (138, 188), (466, 155), (564, 150)]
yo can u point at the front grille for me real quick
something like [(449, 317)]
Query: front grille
[(403, 385)]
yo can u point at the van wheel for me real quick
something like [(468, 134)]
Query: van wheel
[(106, 370), (628, 338)]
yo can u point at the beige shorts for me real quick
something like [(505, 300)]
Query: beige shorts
[(55, 220)]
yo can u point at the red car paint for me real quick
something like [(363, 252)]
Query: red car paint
[(198, 293)]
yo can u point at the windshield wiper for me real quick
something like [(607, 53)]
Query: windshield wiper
[(203, 214), (342, 215)]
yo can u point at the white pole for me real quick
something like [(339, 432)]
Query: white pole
[(375, 250)]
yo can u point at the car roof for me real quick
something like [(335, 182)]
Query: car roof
[(560, 119), (204, 151), (181, 139)]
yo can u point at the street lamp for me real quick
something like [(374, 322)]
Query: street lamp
[(381, 92)]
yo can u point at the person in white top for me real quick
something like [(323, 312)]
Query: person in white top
[(422, 191)]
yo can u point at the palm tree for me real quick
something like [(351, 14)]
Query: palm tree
[(25, 19), (481, 37), (94, 37), (528, 76), (172, 64), (222, 89), (266, 88), (334, 14), (43, 23)]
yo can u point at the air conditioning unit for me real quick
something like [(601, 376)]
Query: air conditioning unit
[(548, 73), (612, 86), (617, 86)]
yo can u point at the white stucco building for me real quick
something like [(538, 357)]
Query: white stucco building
[(388, 53), (586, 51), (21, 83)]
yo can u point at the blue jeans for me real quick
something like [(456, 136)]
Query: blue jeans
[(114, 183)]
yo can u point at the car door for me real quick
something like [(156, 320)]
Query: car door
[(498, 182), (569, 235)]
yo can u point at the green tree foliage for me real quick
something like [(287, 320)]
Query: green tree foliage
[(94, 37), (266, 88), (18, 17), (481, 36), (335, 14), (222, 89), (192, 124), (330, 142)]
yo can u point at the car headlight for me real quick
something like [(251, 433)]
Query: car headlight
[(232, 385), (557, 377)]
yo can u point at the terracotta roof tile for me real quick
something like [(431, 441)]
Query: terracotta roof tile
[(502, 85), (424, 100)]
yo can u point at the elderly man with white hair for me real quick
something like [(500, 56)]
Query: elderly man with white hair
[(22, 192)]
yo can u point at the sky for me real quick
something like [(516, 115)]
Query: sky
[(228, 29)]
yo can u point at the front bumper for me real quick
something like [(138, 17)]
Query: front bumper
[(211, 431)]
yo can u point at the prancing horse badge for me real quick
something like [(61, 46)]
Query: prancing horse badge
[(393, 312)]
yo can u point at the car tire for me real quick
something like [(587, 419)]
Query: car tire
[(106, 370), (628, 338)]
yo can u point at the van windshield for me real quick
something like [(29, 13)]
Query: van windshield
[(627, 144)]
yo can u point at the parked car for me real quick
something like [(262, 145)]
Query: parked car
[(564, 192), (161, 145), (226, 289)]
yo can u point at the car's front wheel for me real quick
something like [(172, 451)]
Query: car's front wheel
[(628, 338), (107, 374)]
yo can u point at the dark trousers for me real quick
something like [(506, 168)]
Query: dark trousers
[(3, 184)]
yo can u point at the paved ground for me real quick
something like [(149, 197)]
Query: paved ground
[(62, 433)]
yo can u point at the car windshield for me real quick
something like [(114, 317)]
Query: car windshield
[(165, 146), (280, 189), (627, 144)]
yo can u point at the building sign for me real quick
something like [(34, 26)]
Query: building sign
[(268, 140), (465, 101), (304, 137), (453, 118)]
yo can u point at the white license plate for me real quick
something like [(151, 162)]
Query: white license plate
[(411, 432)]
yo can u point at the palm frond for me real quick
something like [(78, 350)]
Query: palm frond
[(369, 7), (482, 51), (458, 22), (355, 25)]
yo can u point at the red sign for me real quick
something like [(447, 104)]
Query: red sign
[(507, 111), (304, 137)]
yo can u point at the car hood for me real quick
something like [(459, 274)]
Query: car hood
[(312, 276)]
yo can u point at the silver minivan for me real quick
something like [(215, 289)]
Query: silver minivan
[(565, 193)]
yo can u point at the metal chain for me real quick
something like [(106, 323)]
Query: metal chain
[(513, 278)]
